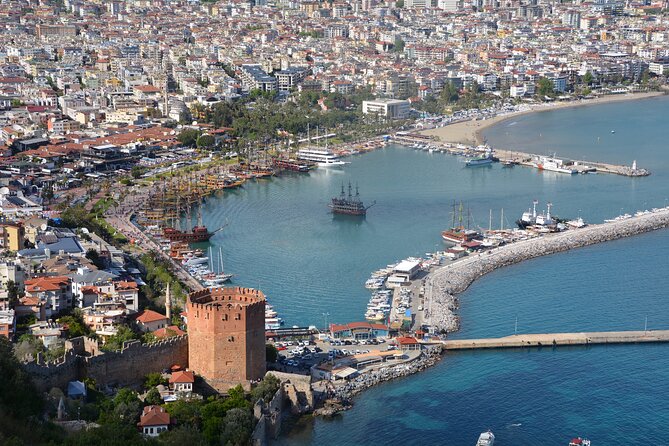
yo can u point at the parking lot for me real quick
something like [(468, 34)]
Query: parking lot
[(300, 356)]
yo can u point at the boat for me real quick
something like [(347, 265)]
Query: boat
[(198, 234), (272, 320), (578, 441), (530, 218), (553, 164), (482, 160), (293, 165), (486, 439), (508, 163), (349, 205), (458, 233), (322, 157)]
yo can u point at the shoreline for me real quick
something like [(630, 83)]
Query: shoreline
[(470, 132)]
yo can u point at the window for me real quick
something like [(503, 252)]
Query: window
[(238, 316)]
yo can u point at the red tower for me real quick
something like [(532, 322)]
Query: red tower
[(226, 336)]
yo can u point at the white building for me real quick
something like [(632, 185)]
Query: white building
[(390, 108)]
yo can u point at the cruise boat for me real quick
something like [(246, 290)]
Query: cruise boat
[(322, 157), (554, 165), (486, 439), (272, 320)]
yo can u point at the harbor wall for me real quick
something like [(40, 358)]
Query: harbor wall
[(559, 339), (444, 284)]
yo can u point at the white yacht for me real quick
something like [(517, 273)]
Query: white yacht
[(322, 157), (486, 439)]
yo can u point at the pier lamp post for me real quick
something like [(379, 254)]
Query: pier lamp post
[(325, 320)]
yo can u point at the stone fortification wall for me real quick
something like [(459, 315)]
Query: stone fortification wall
[(445, 283), (125, 367), (58, 373)]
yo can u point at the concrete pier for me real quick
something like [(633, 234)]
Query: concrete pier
[(557, 339), (445, 283)]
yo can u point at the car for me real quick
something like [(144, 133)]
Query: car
[(344, 352), (347, 342), (307, 357), (318, 349), (357, 352)]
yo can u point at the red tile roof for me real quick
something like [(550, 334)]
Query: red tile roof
[(154, 416), (167, 332), (147, 316), (182, 377)]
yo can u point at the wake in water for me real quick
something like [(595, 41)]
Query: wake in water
[(513, 123), (515, 425)]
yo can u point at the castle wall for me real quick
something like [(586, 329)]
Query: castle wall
[(126, 367)]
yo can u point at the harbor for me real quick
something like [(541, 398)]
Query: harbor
[(445, 283)]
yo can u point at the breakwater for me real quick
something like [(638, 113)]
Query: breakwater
[(444, 284), (557, 339), (429, 357)]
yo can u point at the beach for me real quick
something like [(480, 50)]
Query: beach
[(470, 132)]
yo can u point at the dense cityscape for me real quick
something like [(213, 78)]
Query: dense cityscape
[(121, 120)]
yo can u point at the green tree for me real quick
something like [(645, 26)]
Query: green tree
[(93, 255), (188, 137), (136, 172), (123, 334), (237, 427), (154, 379), (545, 87), (266, 389), (183, 436), (75, 324), (205, 141), (588, 78), (13, 293), (153, 397)]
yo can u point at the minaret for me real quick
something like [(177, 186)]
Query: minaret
[(168, 303)]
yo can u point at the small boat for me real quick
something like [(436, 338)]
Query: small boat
[(578, 441), (613, 131)]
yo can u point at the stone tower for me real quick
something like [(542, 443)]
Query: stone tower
[(226, 336)]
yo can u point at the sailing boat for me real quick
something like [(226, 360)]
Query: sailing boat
[(459, 234), (217, 278), (198, 234)]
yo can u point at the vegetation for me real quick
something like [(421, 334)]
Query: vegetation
[(78, 217), (545, 87), (158, 275), (123, 334), (75, 325)]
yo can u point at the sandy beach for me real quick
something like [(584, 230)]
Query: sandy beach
[(470, 132)]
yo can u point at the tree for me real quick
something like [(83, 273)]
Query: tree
[(266, 389), (399, 45), (205, 141), (93, 255), (136, 172), (123, 334), (188, 137), (237, 427), (13, 293), (588, 78), (183, 436), (75, 324), (545, 87), (153, 397), (154, 379)]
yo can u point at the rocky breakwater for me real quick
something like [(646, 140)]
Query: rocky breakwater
[(339, 397), (445, 283)]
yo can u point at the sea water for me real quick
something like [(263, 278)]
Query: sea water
[(312, 265)]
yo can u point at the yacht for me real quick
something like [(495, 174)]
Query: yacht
[(486, 439), (322, 157)]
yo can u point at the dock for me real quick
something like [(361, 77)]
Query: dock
[(559, 339)]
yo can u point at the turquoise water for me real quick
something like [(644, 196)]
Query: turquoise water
[(312, 266)]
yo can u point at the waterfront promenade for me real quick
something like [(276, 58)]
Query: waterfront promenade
[(445, 283), (559, 339)]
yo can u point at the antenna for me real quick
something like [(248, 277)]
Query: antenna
[(501, 221), (515, 328), (490, 221)]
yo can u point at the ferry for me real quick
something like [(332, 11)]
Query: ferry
[(553, 164), (482, 160), (486, 439), (322, 157)]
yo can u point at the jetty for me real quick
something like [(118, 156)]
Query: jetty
[(514, 157), (445, 283), (559, 339)]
